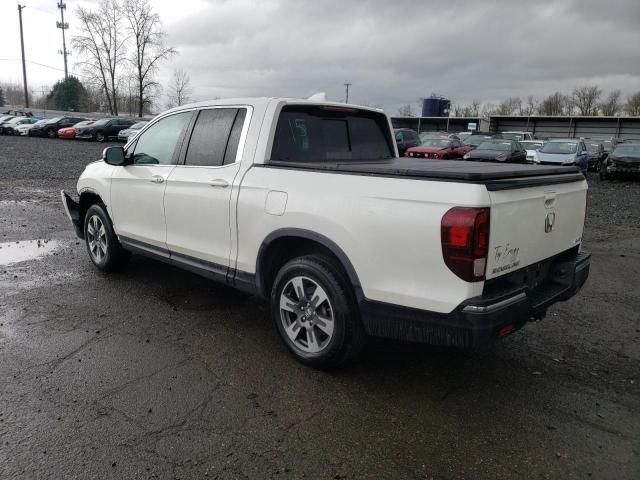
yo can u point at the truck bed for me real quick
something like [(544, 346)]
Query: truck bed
[(496, 176)]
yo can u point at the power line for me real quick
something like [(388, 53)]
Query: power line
[(41, 65)]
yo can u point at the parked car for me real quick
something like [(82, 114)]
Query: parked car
[(123, 135), (8, 127), (304, 204), (25, 127), (6, 118), (103, 129), (406, 138), (595, 154), (625, 159), (498, 150), (69, 133), (431, 135), (439, 148), (50, 127), (517, 136), (563, 151), (531, 146), (472, 141)]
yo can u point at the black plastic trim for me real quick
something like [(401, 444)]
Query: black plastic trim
[(72, 208)]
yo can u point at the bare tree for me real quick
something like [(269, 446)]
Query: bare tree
[(101, 45), (475, 108), (406, 111), (509, 106), (531, 107), (611, 106), (586, 99), (179, 89), (553, 105), (633, 105), (145, 28)]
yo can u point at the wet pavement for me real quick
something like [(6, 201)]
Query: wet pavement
[(158, 373)]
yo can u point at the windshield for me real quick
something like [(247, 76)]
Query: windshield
[(55, 120), (430, 135), (138, 126), (436, 143), (632, 150), (559, 147), (593, 147), (16, 119), (475, 139), (502, 146), (512, 136), (99, 123), (532, 145), (83, 123)]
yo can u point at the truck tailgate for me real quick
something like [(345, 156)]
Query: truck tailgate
[(531, 224)]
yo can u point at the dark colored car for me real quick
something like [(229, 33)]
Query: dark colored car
[(595, 154), (472, 141), (8, 127), (406, 138), (439, 148), (103, 129), (50, 127), (498, 150), (625, 159)]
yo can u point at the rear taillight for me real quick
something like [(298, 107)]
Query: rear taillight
[(465, 242)]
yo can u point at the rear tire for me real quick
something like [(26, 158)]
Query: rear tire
[(604, 175), (51, 133), (105, 251), (315, 313), (99, 136)]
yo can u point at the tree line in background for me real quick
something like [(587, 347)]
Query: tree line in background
[(585, 101), (121, 45)]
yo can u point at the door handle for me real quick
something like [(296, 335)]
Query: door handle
[(219, 183), (157, 179)]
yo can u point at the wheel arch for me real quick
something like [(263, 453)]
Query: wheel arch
[(282, 245)]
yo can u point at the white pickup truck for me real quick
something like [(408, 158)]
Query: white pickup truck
[(307, 205)]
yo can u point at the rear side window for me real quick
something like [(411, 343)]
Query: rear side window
[(330, 134), (215, 137)]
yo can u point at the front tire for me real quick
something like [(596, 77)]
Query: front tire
[(100, 137), (315, 313), (51, 133), (604, 175), (105, 251)]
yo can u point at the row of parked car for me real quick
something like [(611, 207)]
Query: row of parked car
[(69, 127), (607, 156)]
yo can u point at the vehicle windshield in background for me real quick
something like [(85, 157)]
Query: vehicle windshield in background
[(532, 145), (101, 122), (631, 150), (83, 123), (334, 134), (512, 136), (436, 143), (501, 146), (559, 147), (54, 120), (607, 144), (476, 139), (593, 147), (137, 126)]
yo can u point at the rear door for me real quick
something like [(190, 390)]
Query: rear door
[(198, 196), (531, 224)]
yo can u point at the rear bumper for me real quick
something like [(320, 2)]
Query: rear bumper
[(72, 209), (482, 320)]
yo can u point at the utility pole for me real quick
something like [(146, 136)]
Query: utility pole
[(24, 65), (62, 25), (347, 85)]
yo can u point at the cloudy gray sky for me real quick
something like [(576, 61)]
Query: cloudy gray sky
[(393, 52)]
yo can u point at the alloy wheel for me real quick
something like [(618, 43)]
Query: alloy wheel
[(97, 238), (306, 314)]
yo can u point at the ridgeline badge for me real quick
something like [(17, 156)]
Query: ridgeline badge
[(549, 221)]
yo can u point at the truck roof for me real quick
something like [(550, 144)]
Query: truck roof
[(264, 101)]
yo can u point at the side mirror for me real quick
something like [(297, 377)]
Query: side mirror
[(114, 156)]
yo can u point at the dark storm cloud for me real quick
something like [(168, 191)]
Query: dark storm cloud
[(395, 52)]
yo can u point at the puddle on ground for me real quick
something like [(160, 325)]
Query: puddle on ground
[(14, 252)]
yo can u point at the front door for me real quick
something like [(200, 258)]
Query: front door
[(198, 195), (137, 190)]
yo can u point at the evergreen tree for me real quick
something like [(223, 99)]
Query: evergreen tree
[(67, 94), (1, 97)]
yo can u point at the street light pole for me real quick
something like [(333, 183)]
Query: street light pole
[(24, 65), (347, 85)]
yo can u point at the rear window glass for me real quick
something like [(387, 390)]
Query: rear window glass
[(330, 134)]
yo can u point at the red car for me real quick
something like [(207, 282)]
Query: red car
[(439, 148), (70, 132)]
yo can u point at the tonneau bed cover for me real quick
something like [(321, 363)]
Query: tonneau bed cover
[(496, 176)]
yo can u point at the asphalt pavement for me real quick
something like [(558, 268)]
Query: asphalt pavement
[(158, 373)]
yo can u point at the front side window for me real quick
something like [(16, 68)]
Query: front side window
[(215, 137), (331, 134), (157, 145)]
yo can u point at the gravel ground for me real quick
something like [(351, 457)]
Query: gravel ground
[(158, 373)]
